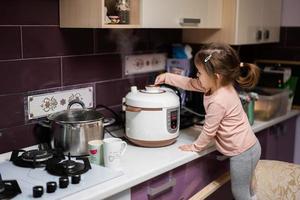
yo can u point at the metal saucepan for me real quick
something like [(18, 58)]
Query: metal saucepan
[(73, 128)]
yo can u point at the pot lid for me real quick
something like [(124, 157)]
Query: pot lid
[(76, 116), (152, 97)]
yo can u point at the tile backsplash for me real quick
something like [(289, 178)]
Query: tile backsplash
[(37, 56), (41, 105)]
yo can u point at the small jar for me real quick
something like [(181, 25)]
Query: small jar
[(123, 8)]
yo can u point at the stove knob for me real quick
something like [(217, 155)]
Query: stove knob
[(37, 191), (51, 187), (63, 182), (75, 179)]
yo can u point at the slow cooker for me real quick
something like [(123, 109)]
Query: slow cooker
[(152, 116)]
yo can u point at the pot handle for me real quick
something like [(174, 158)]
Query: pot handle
[(74, 102), (108, 121)]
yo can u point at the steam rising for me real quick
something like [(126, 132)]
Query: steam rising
[(125, 39)]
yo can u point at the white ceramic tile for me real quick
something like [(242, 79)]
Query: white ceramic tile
[(137, 64), (42, 105)]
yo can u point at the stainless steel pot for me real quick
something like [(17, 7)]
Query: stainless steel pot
[(73, 128)]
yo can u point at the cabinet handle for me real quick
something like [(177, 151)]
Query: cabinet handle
[(190, 21), (154, 192), (258, 35), (266, 34)]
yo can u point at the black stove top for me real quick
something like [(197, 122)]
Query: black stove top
[(9, 189), (68, 167), (54, 161), (35, 158)]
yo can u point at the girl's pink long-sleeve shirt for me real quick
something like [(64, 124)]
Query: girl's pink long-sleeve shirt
[(225, 119)]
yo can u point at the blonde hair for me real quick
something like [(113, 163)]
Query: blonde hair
[(218, 58)]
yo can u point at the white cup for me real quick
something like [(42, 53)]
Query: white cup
[(95, 152), (113, 149)]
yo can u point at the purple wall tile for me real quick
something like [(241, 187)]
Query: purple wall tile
[(161, 39), (121, 40), (29, 12), (53, 41), (12, 111), (27, 75), (105, 96), (10, 43), (292, 37), (16, 138), (83, 69)]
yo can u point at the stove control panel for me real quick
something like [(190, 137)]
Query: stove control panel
[(172, 120)]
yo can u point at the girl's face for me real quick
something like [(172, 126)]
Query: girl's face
[(209, 83)]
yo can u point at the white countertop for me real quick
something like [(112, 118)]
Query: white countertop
[(140, 164)]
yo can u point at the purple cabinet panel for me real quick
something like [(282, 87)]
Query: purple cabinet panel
[(280, 141), (182, 182), (286, 142), (262, 137), (223, 193)]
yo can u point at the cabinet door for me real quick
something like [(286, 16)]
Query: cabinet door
[(244, 22), (271, 16), (248, 21), (262, 137), (286, 140), (182, 182), (272, 143), (181, 13), (280, 142)]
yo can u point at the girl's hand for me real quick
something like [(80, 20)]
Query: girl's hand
[(187, 147), (160, 79)]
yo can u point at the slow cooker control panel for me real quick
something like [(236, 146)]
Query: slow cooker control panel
[(172, 120)]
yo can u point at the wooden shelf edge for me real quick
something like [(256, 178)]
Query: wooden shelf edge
[(121, 26), (212, 187)]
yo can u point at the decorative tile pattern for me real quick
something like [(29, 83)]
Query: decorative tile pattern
[(42, 105)]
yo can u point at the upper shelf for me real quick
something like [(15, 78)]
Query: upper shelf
[(92, 14)]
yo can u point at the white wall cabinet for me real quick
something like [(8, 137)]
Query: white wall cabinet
[(244, 22), (181, 13), (91, 14)]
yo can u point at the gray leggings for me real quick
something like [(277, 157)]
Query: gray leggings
[(241, 169)]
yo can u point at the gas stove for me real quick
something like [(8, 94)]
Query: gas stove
[(48, 174)]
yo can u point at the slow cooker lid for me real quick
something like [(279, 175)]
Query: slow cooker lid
[(152, 97)]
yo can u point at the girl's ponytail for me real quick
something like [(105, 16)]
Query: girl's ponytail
[(249, 75)]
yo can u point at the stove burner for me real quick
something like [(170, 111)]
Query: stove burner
[(68, 167), (34, 158), (9, 189), (36, 155)]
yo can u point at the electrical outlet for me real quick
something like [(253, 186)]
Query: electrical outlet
[(137, 64)]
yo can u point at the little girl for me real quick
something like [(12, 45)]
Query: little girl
[(219, 69)]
